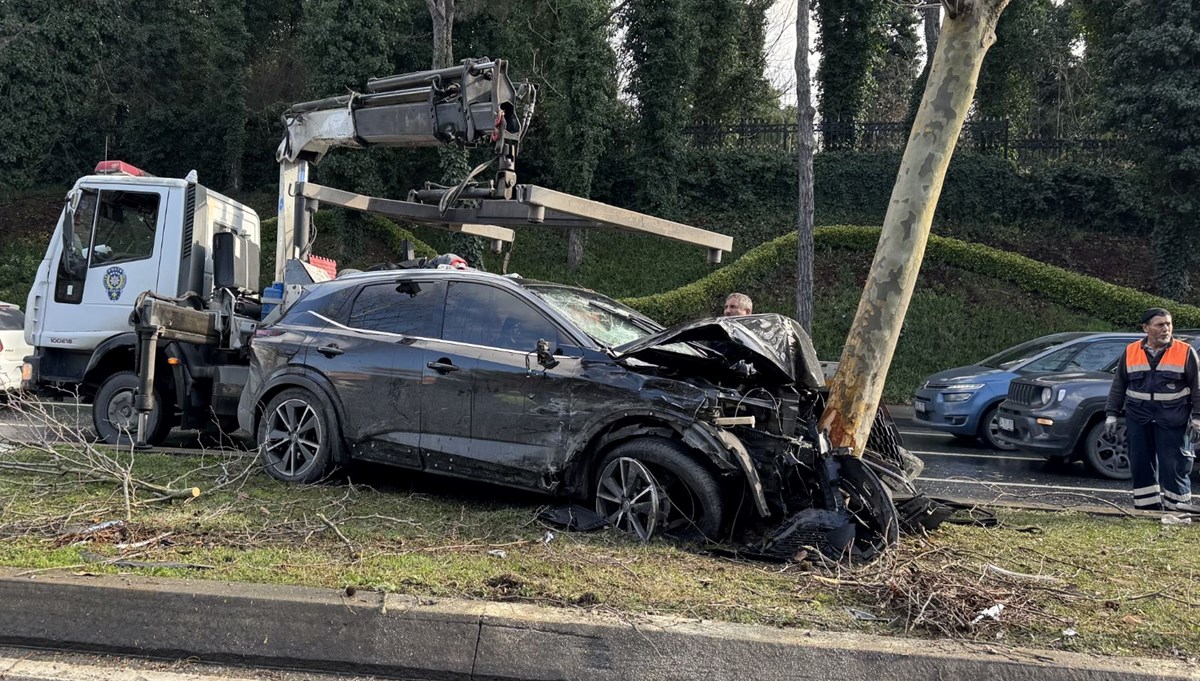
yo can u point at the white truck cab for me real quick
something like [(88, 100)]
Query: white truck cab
[(123, 232)]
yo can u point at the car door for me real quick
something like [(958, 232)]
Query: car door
[(520, 411), (375, 360)]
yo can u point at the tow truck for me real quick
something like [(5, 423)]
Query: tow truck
[(146, 299)]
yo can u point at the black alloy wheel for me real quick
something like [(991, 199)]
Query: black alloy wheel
[(651, 485), (296, 437)]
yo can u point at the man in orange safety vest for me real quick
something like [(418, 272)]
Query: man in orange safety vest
[(1157, 386)]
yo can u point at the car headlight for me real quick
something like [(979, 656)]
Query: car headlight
[(962, 386), (957, 397), (1047, 395)]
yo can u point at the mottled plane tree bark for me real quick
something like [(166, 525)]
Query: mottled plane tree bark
[(804, 162), (967, 32)]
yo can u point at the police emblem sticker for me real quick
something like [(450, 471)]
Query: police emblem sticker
[(114, 282)]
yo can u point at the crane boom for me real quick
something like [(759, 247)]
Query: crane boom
[(473, 104)]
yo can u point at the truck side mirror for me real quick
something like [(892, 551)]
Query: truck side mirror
[(71, 260)]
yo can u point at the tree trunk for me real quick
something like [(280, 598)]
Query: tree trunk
[(804, 161), (442, 13), (967, 33), (575, 248)]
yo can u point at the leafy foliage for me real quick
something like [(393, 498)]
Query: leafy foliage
[(1163, 39), (851, 40)]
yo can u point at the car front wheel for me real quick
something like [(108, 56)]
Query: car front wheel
[(989, 431), (296, 437), (651, 485), (1108, 456)]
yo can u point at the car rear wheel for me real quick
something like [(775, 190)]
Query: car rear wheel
[(296, 437), (1107, 456), (651, 485), (989, 430), (115, 418)]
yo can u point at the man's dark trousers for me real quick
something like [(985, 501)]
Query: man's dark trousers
[(1159, 453)]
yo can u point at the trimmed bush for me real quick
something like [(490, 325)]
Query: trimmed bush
[(1116, 304)]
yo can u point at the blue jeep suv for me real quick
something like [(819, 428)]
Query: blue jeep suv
[(964, 401)]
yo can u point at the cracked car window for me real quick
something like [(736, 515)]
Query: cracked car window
[(605, 320)]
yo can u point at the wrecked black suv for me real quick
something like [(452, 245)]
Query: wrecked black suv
[(704, 428)]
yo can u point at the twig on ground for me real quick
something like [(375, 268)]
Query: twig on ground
[(354, 553)]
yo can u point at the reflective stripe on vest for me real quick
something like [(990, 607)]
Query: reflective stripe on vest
[(1158, 397), (1173, 359)]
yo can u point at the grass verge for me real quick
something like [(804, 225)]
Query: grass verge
[(1125, 586)]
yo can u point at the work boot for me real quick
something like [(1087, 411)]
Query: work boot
[(1183, 507)]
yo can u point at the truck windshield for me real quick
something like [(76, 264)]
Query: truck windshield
[(598, 316), (1014, 355)]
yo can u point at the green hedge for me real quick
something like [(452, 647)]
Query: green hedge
[(1116, 304)]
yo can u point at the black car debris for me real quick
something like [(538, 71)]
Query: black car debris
[(703, 430)]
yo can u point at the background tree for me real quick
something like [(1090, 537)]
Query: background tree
[(1159, 116), (804, 164), (895, 71), (851, 42), (662, 43)]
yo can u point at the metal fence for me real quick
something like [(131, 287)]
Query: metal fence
[(980, 136)]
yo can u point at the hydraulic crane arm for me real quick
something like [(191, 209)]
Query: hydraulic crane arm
[(473, 104)]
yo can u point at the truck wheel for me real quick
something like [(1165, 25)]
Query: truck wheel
[(1108, 457), (296, 437), (650, 485), (989, 430), (114, 416)]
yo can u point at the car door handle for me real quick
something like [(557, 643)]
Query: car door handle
[(330, 350), (442, 366)]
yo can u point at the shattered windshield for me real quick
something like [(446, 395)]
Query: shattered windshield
[(600, 317)]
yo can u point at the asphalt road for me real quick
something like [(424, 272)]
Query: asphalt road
[(953, 468)]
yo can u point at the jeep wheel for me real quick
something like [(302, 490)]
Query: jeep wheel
[(114, 416), (651, 485), (1107, 456), (989, 431)]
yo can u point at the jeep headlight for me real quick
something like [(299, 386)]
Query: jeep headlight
[(1047, 395)]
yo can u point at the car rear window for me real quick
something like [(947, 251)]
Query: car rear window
[(11, 319)]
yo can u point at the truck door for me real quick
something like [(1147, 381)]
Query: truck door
[(110, 256)]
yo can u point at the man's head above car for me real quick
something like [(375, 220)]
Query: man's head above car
[(738, 304), (1157, 324)]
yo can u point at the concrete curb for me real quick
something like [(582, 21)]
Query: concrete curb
[(453, 639)]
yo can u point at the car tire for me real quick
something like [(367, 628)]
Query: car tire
[(688, 499), (1109, 458), (989, 430), (114, 416), (297, 437)]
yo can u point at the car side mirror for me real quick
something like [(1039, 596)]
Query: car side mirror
[(544, 356)]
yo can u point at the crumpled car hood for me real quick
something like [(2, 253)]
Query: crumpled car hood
[(777, 347)]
